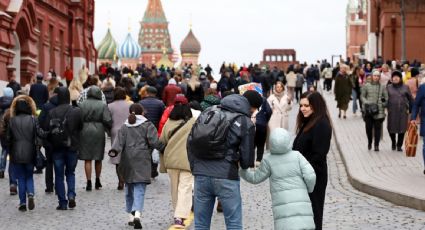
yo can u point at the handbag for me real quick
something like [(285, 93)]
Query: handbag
[(411, 141), (372, 109), (40, 160)]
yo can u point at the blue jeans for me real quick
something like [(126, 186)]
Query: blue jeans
[(135, 196), (64, 161), (3, 161), (24, 174), (354, 99), (227, 191)]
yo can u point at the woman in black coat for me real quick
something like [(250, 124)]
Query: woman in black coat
[(314, 133)]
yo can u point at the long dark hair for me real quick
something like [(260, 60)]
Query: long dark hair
[(135, 109), (320, 111), (181, 112)]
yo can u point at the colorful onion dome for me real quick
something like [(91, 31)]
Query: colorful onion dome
[(129, 49), (190, 44), (107, 48)]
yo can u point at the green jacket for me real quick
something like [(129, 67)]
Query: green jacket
[(373, 92), (97, 120), (292, 178)]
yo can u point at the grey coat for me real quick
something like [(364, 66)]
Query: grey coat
[(375, 93), (120, 111), (399, 101), (96, 121), (136, 143)]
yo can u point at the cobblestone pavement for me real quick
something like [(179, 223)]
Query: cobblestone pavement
[(346, 208)]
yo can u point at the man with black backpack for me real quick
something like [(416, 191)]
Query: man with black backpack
[(65, 124), (221, 140)]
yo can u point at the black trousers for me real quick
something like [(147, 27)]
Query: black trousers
[(298, 92), (260, 140), (327, 84), (49, 169), (373, 126), (400, 139), (317, 197)]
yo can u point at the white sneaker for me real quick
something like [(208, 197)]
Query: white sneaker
[(131, 220), (257, 164)]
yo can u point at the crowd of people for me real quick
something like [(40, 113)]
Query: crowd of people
[(205, 134)]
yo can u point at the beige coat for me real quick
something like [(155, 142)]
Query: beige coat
[(279, 118), (175, 154), (291, 79)]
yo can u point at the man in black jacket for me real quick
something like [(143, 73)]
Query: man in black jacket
[(153, 112), (42, 119), (39, 92), (65, 156), (220, 177)]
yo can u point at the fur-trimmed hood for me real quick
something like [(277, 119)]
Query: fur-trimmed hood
[(22, 104)]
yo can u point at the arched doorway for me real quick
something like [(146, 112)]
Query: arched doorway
[(25, 53)]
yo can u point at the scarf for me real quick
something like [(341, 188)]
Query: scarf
[(279, 95)]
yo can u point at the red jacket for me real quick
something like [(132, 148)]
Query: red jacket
[(68, 75), (169, 93), (164, 118)]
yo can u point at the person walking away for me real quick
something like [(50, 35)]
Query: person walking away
[(292, 178), (39, 92), (299, 85), (291, 83), (22, 133), (135, 141), (65, 124), (400, 100), (262, 119), (174, 136), (216, 171), (373, 93), (313, 139), (5, 103), (195, 92), (170, 92), (96, 121), (343, 89), (47, 145), (154, 108), (119, 109)]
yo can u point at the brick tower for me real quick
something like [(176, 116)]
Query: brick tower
[(154, 35)]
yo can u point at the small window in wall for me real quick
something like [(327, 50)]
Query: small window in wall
[(290, 58), (267, 58), (279, 58), (52, 50)]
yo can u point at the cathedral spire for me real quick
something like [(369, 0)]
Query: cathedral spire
[(154, 12)]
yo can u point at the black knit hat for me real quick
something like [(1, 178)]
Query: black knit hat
[(397, 74), (254, 98)]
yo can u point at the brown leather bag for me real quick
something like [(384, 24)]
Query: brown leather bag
[(411, 140)]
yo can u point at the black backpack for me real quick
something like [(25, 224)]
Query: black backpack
[(209, 133), (59, 135)]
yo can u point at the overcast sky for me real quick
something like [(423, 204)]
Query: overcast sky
[(237, 30)]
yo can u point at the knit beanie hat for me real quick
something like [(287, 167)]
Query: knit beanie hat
[(254, 98), (397, 74), (172, 81)]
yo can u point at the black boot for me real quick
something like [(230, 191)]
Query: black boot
[(376, 148), (88, 186), (399, 149), (97, 185), (369, 146), (393, 146)]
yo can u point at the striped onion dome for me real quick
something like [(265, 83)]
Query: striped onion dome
[(129, 49), (106, 49)]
